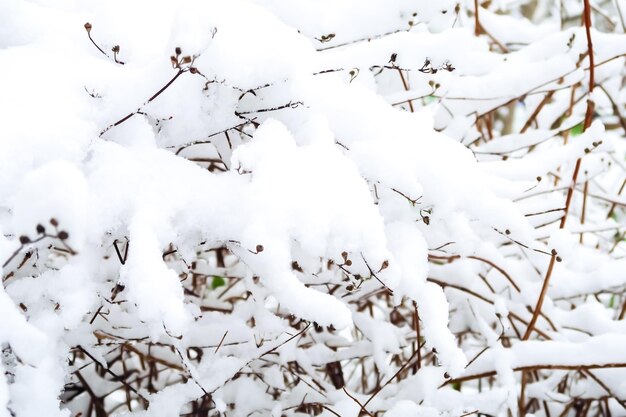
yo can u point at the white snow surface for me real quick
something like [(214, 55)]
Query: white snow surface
[(110, 203)]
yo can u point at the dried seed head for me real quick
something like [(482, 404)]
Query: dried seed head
[(63, 235), (186, 59), (24, 239), (54, 222), (178, 51), (116, 49), (40, 229), (259, 248), (349, 262), (88, 27)]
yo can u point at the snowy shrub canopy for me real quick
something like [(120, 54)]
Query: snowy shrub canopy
[(314, 207)]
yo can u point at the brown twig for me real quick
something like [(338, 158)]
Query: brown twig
[(570, 191), (180, 72)]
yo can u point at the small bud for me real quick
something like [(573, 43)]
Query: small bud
[(186, 59), (538, 179), (446, 375), (88, 27), (507, 232), (174, 61), (385, 265), (54, 222), (40, 229), (63, 235), (193, 70), (553, 251), (350, 287), (24, 239), (558, 259), (353, 73), (344, 255), (349, 262), (587, 150), (116, 49), (426, 220), (393, 57), (259, 248), (178, 51)]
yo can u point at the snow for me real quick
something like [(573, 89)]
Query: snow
[(248, 205)]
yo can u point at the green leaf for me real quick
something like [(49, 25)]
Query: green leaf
[(612, 301), (217, 282), (577, 130), (456, 386)]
